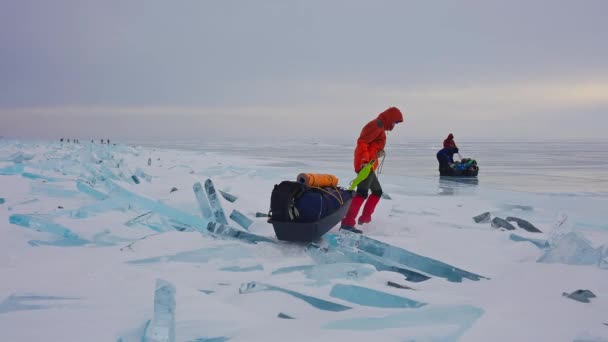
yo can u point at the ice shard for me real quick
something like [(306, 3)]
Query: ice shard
[(458, 318), (241, 219), (203, 202), (338, 254), (482, 218), (537, 242), (87, 189), (104, 238), (214, 202), (221, 230), (582, 296), (155, 206), (561, 227), (142, 175), (11, 170), (157, 223), (44, 225), (574, 249), (228, 197), (398, 286), (290, 269), (242, 269), (162, 327), (138, 219), (53, 190), (370, 297), (523, 224), (99, 207), (62, 242), (400, 256), (318, 303), (498, 222), (29, 175), (323, 273), (28, 302), (136, 335), (224, 252)]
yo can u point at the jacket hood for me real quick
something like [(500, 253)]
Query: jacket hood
[(451, 136), (390, 117)]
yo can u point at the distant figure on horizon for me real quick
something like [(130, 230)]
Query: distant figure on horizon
[(445, 157), (108, 141), (449, 142), (370, 147), (102, 141), (61, 140)]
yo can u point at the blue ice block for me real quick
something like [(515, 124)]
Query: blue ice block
[(87, 189), (202, 200), (221, 230), (228, 197), (400, 256), (162, 327), (338, 254), (241, 219), (573, 249), (369, 297), (318, 303), (323, 273), (44, 225), (11, 170), (37, 176), (157, 207), (242, 269), (460, 318), (537, 242), (214, 203)]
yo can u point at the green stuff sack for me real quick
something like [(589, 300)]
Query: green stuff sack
[(362, 175)]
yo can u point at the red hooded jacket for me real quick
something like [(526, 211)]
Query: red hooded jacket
[(449, 142), (373, 138)]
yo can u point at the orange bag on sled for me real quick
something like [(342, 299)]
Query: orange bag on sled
[(318, 180)]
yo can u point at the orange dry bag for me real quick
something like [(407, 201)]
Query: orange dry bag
[(318, 180)]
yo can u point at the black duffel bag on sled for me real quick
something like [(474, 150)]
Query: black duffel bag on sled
[(302, 213)]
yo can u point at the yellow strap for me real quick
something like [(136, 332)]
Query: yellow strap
[(339, 199)]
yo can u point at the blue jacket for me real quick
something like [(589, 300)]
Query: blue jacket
[(447, 153)]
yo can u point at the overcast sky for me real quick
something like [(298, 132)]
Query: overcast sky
[(303, 69)]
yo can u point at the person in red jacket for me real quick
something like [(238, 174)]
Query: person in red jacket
[(370, 146), (449, 142)]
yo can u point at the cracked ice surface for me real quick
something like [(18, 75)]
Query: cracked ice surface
[(83, 244)]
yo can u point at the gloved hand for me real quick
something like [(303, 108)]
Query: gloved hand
[(380, 154), (363, 164)]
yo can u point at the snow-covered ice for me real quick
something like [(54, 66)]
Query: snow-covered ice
[(97, 245)]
